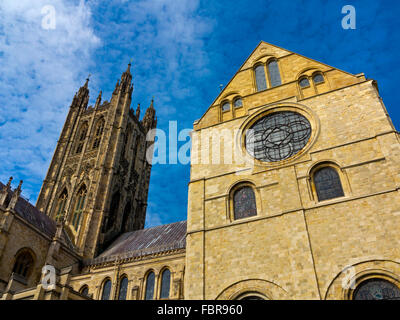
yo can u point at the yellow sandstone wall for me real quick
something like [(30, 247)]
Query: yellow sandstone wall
[(296, 246), (136, 271)]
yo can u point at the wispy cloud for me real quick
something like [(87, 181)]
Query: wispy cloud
[(167, 41), (40, 69), (181, 50)]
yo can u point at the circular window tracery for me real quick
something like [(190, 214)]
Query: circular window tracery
[(278, 136), (377, 289)]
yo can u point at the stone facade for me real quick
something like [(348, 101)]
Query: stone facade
[(296, 245)]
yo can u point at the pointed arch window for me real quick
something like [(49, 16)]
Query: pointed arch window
[(259, 73), (123, 288), (165, 284), (82, 137), (149, 293), (244, 203), (98, 133), (327, 184), (274, 75), (23, 264), (105, 295), (79, 205), (62, 200)]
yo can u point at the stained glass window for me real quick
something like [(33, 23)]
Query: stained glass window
[(304, 83), (98, 133), (106, 290), (244, 203), (278, 136), (123, 288), (226, 106), (149, 295), (23, 264), (165, 284), (377, 289), (80, 203), (62, 200), (274, 74), (238, 103), (327, 184), (82, 137), (260, 78), (318, 78)]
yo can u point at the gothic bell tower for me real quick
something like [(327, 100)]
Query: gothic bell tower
[(98, 179)]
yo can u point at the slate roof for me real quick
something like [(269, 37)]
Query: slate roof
[(147, 241), (34, 216)]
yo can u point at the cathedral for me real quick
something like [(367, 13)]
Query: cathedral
[(294, 194)]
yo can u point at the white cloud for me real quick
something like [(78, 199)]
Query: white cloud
[(165, 38), (40, 70)]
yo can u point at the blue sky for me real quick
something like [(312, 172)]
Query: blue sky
[(181, 50)]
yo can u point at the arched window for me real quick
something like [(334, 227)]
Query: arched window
[(261, 82), (123, 288), (83, 133), (84, 291), (327, 184), (226, 106), (304, 83), (244, 203), (82, 137), (376, 289), (165, 284), (318, 78), (23, 264), (149, 293), (105, 295), (274, 75), (238, 103), (98, 133), (62, 200), (79, 205)]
